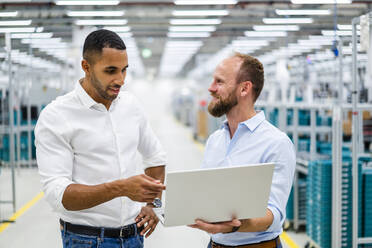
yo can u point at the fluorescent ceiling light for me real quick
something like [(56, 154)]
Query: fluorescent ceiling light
[(32, 36), (302, 11), (244, 50), (101, 22), (320, 37), (52, 48), (276, 27), (265, 34), (204, 2), (88, 2), (250, 43), (51, 45), (183, 44), (179, 53), (187, 47), (117, 29), (125, 34), (17, 30), (189, 34), (303, 46), (315, 42), (339, 32), (287, 20), (195, 21), (346, 27), (181, 49), (95, 13), (200, 12), (192, 29), (41, 41), (16, 23), (321, 1), (9, 14), (295, 47)]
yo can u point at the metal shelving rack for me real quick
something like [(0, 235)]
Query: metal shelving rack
[(14, 128), (301, 168), (357, 136), (11, 124), (338, 108)]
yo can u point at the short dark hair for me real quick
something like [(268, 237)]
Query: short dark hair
[(99, 39), (252, 70)]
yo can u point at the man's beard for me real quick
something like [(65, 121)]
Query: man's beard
[(222, 106), (98, 86)]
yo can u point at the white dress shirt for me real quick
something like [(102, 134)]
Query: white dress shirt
[(79, 141), (255, 141)]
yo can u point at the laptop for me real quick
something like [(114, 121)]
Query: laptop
[(217, 194)]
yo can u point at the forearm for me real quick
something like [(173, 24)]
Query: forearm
[(78, 196), (257, 224), (157, 173), (142, 188)]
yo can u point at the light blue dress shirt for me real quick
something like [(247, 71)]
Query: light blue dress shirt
[(255, 141)]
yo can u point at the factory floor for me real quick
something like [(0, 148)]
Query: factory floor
[(37, 226)]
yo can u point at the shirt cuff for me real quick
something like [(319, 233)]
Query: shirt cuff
[(276, 226), (54, 194), (157, 159)]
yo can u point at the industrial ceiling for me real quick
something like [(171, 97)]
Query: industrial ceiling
[(161, 33)]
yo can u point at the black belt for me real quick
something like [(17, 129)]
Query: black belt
[(264, 244), (122, 232)]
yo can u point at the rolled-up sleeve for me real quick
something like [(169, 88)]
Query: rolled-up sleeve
[(284, 157), (149, 146), (54, 156)]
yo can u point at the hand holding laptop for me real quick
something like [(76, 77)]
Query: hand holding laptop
[(219, 227)]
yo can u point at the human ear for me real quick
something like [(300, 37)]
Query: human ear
[(85, 66), (245, 88)]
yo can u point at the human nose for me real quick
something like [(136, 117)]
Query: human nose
[(120, 78), (212, 87)]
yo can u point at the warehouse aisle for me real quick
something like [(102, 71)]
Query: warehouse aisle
[(38, 226), (182, 154)]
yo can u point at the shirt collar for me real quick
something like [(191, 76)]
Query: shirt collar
[(86, 99), (83, 95), (251, 123)]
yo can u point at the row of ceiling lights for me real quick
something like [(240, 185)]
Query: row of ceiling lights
[(187, 31), (222, 12), (196, 2), (240, 44), (192, 2)]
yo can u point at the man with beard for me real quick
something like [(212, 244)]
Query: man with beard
[(86, 145), (247, 138)]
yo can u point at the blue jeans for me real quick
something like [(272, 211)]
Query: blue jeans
[(72, 240)]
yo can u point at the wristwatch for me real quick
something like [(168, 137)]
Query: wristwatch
[(157, 203)]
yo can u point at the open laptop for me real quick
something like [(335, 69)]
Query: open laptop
[(217, 194)]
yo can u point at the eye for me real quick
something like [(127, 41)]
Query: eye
[(110, 71)]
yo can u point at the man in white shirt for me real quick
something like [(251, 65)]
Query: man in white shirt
[(86, 144), (247, 138)]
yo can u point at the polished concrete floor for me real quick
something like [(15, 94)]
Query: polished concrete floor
[(38, 225)]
